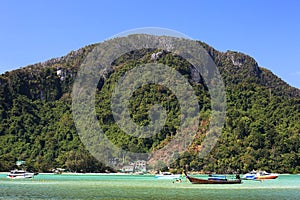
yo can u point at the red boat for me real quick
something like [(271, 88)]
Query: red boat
[(194, 180), (263, 175)]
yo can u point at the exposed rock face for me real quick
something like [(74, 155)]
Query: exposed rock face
[(235, 67), (36, 118)]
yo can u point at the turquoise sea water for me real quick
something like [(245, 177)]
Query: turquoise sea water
[(86, 186)]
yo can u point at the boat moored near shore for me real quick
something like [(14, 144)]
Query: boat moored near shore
[(167, 175), (219, 180), (16, 174), (259, 175)]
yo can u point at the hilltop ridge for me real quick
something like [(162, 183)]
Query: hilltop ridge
[(261, 131)]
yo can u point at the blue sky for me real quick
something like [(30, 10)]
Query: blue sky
[(269, 31)]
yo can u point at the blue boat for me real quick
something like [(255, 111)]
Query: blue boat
[(216, 177)]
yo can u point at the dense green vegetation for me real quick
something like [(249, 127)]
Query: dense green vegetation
[(261, 131), (141, 101)]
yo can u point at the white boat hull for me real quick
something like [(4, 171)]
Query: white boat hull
[(20, 175), (259, 176), (174, 176)]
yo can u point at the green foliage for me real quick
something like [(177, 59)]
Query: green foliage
[(261, 130)]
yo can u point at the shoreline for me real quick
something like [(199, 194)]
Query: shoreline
[(78, 173), (121, 174)]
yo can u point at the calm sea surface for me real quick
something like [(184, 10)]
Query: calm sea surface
[(86, 186)]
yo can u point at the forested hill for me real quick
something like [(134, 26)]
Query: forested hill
[(261, 130)]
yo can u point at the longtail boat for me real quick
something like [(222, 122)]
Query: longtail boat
[(194, 180)]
